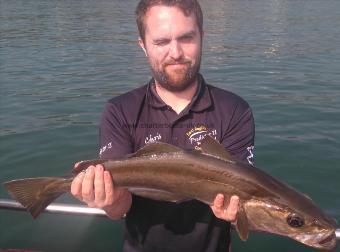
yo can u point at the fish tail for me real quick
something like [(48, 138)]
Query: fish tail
[(35, 194)]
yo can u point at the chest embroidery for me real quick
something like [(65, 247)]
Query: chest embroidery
[(153, 138), (197, 133)]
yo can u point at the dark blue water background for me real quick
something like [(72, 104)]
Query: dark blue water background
[(61, 60)]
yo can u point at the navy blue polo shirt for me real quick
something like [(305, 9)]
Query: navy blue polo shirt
[(139, 117)]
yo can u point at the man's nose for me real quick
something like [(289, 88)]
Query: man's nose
[(176, 51)]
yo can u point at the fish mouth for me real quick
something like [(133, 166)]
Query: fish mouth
[(329, 241), (325, 241)]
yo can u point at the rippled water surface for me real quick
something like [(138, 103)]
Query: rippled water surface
[(61, 60)]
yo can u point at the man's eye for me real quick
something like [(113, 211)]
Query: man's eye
[(161, 42), (186, 38)]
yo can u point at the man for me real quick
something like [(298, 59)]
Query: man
[(179, 108)]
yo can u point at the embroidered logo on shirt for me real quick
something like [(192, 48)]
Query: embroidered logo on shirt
[(152, 139), (197, 134), (250, 158), (104, 148)]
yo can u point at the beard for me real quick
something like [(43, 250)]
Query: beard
[(178, 79)]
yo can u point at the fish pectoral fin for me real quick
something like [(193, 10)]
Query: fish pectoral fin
[(155, 148), (211, 147), (242, 226)]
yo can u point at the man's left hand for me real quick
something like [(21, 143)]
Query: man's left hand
[(227, 213)]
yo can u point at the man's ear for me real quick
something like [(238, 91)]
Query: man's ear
[(141, 44)]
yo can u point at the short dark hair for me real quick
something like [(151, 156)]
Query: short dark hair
[(187, 6)]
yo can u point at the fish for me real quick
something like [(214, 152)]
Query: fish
[(161, 171)]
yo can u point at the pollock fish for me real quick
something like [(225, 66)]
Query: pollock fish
[(164, 172)]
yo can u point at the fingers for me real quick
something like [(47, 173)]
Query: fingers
[(94, 186), (76, 186), (109, 188), (228, 212), (99, 192), (232, 209), (88, 186), (219, 201)]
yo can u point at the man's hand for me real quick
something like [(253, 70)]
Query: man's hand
[(95, 187), (227, 213)]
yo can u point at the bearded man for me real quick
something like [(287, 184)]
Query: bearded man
[(176, 106)]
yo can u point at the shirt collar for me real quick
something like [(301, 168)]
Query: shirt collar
[(200, 101)]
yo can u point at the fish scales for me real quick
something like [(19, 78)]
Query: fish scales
[(191, 175)]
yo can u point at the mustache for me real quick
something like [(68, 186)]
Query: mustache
[(174, 62)]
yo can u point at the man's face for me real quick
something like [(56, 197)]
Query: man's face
[(173, 46)]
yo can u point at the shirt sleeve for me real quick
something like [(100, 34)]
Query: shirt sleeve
[(115, 138), (239, 136)]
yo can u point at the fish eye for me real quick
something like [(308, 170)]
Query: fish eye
[(294, 220)]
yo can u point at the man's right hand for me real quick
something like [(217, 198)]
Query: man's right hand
[(95, 187)]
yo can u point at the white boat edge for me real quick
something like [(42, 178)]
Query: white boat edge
[(72, 209), (61, 208)]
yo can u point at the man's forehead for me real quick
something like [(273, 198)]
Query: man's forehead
[(160, 19), (160, 7)]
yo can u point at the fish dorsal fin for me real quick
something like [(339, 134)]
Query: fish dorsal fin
[(155, 148), (210, 146), (242, 226)]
